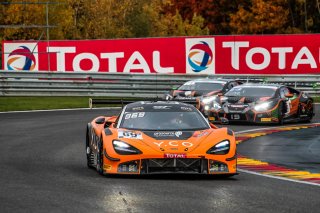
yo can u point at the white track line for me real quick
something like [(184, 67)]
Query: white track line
[(279, 178)]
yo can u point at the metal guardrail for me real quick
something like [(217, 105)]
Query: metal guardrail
[(124, 101), (43, 83)]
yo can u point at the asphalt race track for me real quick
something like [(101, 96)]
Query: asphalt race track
[(43, 169), (294, 149)]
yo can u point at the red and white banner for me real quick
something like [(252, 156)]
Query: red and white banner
[(272, 54)]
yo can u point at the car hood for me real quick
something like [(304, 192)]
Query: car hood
[(193, 93), (170, 141), (243, 100)]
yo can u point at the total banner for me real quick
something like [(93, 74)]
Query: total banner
[(208, 55)]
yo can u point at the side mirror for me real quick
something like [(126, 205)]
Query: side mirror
[(289, 95), (100, 120), (174, 88)]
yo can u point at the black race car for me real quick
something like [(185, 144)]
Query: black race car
[(259, 103), (201, 87)]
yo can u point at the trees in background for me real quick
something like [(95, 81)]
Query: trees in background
[(101, 19)]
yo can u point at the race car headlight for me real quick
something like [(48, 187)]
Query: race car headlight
[(210, 103), (122, 148), (168, 97), (221, 148), (263, 106), (208, 100), (216, 106)]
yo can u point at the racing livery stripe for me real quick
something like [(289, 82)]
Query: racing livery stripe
[(268, 169)]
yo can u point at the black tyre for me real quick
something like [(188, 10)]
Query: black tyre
[(280, 113), (99, 166), (90, 156)]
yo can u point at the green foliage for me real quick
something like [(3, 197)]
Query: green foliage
[(102, 19), (262, 17)]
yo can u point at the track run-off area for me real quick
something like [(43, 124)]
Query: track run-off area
[(43, 169)]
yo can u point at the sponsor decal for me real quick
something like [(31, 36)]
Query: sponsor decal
[(21, 56), (170, 155), (189, 109), (200, 55), (107, 167), (265, 119), (87, 59), (178, 133), (174, 143), (161, 107), (190, 83), (134, 115), (212, 118), (129, 135), (137, 108), (167, 134), (200, 134), (254, 54), (238, 106), (185, 98), (298, 56)]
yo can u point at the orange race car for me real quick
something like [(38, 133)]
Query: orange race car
[(160, 137)]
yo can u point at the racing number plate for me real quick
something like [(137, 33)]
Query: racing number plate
[(235, 116)]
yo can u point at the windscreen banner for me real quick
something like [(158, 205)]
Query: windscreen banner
[(208, 55)]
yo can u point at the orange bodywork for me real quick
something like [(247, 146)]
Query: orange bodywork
[(195, 147)]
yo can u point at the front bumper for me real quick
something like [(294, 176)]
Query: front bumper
[(172, 165), (250, 117)]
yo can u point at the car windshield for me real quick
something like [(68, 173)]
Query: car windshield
[(207, 86), (168, 120), (252, 91)]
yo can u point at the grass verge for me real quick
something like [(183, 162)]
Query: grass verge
[(38, 103)]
